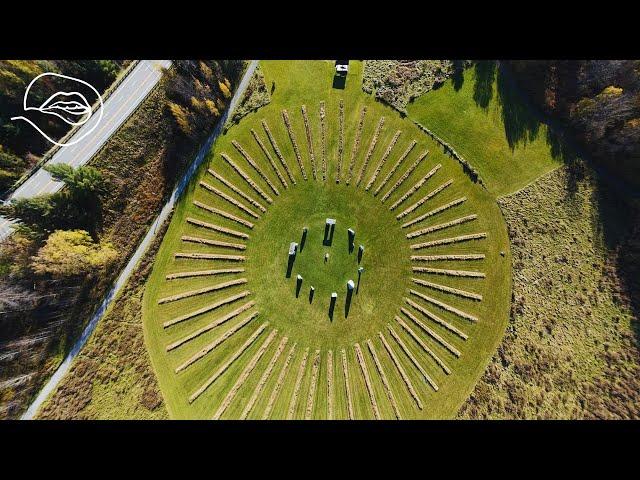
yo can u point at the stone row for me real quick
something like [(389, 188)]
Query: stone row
[(279, 382), (208, 308), (436, 319), (405, 175), (444, 306), (416, 187), (203, 273), (216, 228), (436, 258), (210, 256), (217, 342), (442, 226), (263, 379), (270, 159), (216, 323), (255, 166), (372, 146), (323, 141), (401, 371), (237, 190), (413, 359), (356, 144), (340, 140), (451, 290), (447, 241), (345, 373), (202, 291), (296, 389), (309, 136), (244, 375), (451, 273), (383, 160), (424, 199), (292, 137), (213, 243), (223, 214), (385, 382), (330, 388), (395, 167), (435, 211), (228, 363), (247, 178), (453, 350), (229, 199), (276, 149), (367, 381), (315, 367), (423, 345)]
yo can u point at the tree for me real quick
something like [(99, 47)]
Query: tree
[(35, 211), (72, 252), (181, 116), (83, 182), (224, 89), (11, 167), (16, 251), (77, 206)]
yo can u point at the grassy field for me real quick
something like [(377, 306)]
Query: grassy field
[(488, 123), (571, 347), (292, 365)]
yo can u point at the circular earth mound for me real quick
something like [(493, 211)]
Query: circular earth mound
[(336, 197)]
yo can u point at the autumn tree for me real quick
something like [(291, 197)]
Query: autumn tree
[(72, 252), (224, 88), (181, 117), (11, 167)]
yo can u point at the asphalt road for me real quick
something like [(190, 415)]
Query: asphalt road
[(64, 367), (117, 108)]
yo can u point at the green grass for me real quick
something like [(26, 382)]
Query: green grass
[(489, 124), (386, 280)]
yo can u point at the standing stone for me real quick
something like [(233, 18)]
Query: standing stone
[(293, 248), (350, 285), (326, 257)]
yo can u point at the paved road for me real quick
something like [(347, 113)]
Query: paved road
[(117, 108), (52, 383)]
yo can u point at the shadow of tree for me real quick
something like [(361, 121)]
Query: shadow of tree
[(483, 87), (457, 79), (521, 125)]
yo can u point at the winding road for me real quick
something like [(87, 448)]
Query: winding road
[(117, 108), (64, 367)]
